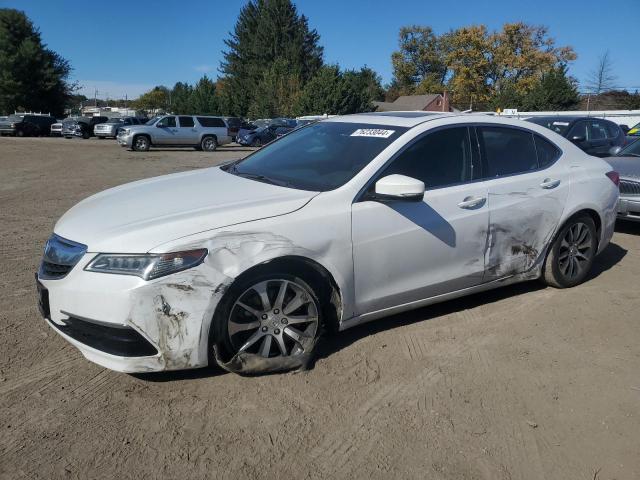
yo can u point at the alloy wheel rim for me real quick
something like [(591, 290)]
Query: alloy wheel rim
[(141, 143), (209, 144), (576, 250), (273, 318)]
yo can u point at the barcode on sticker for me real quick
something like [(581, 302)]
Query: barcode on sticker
[(372, 132)]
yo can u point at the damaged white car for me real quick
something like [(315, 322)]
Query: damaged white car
[(338, 223)]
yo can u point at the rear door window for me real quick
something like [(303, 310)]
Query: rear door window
[(186, 122), (211, 122), (438, 159), (506, 151)]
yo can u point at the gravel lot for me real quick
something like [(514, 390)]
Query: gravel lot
[(520, 383)]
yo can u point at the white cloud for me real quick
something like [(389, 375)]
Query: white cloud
[(204, 68), (112, 90)]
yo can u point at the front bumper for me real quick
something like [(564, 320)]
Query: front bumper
[(629, 208), (7, 131), (131, 325), (124, 140)]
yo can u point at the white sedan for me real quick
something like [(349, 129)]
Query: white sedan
[(338, 223)]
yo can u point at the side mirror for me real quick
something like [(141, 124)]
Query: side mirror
[(613, 151), (399, 187), (578, 138)]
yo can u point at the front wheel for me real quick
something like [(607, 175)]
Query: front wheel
[(572, 253), (274, 317), (141, 143), (208, 144)]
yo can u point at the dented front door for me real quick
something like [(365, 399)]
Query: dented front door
[(409, 251)]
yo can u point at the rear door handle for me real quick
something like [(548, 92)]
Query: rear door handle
[(472, 202), (548, 184)]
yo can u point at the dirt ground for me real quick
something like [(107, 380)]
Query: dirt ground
[(520, 383)]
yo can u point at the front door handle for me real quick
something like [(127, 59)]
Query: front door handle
[(548, 184), (472, 202)]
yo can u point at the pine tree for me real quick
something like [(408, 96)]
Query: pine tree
[(31, 75), (266, 32)]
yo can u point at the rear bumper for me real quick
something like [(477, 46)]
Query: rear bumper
[(629, 208), (104, 134)]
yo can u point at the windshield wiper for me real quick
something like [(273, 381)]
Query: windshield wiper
[(257, 176)]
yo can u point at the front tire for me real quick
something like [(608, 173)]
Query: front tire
[(571, 256), (274, 316), (141, 143)]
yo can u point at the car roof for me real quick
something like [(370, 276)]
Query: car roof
[(398, 119), (568, 118)]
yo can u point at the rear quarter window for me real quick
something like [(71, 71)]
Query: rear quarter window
[(546, 151)]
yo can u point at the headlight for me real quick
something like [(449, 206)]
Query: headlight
[(146, 266)]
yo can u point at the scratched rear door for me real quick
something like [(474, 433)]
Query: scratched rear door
[(528, 184)]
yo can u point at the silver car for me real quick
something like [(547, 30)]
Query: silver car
[(627, 164), (113, 126), (199, 131)]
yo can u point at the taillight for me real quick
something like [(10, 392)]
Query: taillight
[(614, 177)]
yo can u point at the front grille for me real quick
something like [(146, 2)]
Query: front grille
[(60, 256), (122, 341), (629, 188)]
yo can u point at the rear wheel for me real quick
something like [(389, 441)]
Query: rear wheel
[(571, 255), (256, 143), (208, 144), (86, 135), (141, 143)]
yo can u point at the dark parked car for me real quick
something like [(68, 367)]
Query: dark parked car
[(595, 136), (27, 125), (263, 135), (81, 126)]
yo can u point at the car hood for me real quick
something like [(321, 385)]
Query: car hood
[(138, 216), (627, 167)]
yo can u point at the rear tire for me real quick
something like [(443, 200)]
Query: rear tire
[(86, 135), (571, 255), (141, 143), (208, 144)]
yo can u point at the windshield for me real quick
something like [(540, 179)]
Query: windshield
[(153, 120), (15, 118), (319, 157), (632, 150), (115, 120), (556, 124)]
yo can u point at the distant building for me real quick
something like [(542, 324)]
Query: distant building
[(91, 111), (434, 102)]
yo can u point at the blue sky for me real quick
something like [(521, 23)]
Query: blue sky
[(128, 47)]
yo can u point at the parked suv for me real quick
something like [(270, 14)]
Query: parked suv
[(594, 136), (81, 126), (111, 127), (199, 131), (27, 125)]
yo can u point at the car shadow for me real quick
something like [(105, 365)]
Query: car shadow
[(610, 257), (178, 375)]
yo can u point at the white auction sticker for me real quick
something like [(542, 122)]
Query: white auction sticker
[(561, 123), (372, 132)]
